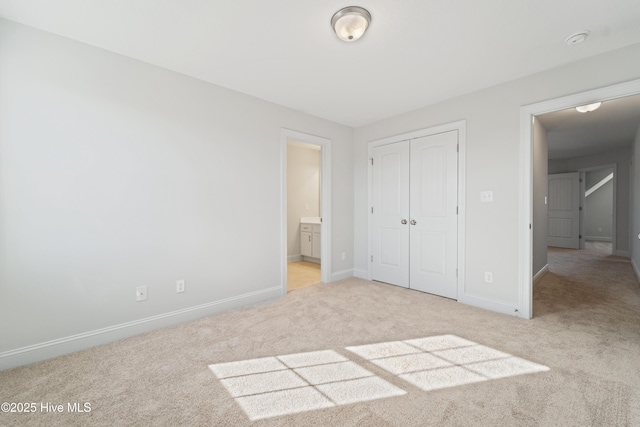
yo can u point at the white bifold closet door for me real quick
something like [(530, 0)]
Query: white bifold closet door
[(414, 218)]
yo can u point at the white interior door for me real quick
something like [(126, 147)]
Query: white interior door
[(390, 240), (433, 216), (564, 210)]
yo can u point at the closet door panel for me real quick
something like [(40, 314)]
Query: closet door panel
[(390, 240), (433, 202)]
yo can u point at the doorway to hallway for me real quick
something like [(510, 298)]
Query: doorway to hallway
[(532, 244)]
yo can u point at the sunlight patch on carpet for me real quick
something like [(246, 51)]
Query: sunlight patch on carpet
[(444, 361), (288, 384)]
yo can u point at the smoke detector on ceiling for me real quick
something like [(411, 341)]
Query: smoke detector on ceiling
[(577, 38)]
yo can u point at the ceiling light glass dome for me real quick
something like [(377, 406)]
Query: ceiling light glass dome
[(350, 23)]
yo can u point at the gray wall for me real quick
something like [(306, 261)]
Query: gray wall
[(492, 163), (599, 207), (540, 192), (621, 158), (116, 174)]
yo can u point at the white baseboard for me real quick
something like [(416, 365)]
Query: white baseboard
[(491, 305), (467, 299), (598, 239), (540, 274), (294, 258), (361, 274), (58, 347), (625, 254), (309, 259), (339, 275)]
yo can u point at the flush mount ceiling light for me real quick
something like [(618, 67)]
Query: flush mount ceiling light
[(577, 38), (589, 107), (350, 23)]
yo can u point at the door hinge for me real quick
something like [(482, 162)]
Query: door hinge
[(372, 161), (456, 210), (371, 258), (580, 236), (371, 209), (530, 227), (580, 207)]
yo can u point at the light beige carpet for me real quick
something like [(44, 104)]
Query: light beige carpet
[(595, 245), (360, 353)]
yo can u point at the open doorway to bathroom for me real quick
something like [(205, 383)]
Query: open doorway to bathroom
[(306, 210), (304, 234)]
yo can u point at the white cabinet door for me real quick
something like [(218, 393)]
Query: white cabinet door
[(390, 240), (434, 228), (306, 244), (564, 210), (315, 239)]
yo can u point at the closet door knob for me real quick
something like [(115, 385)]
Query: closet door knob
[(404, 221), (413, 222)]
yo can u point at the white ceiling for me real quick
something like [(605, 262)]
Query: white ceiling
[(416, 52), (573, 134)]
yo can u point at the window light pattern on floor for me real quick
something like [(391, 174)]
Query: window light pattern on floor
[(288, 384), (444, 361)]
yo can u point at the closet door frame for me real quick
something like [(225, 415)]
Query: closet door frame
[(459, 126)]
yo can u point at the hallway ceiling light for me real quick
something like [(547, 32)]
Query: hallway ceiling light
[(589, 107), (350, 23)]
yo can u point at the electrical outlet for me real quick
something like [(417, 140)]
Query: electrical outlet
[(488, 277), (179, 286), (141, 293), (486, 196)]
